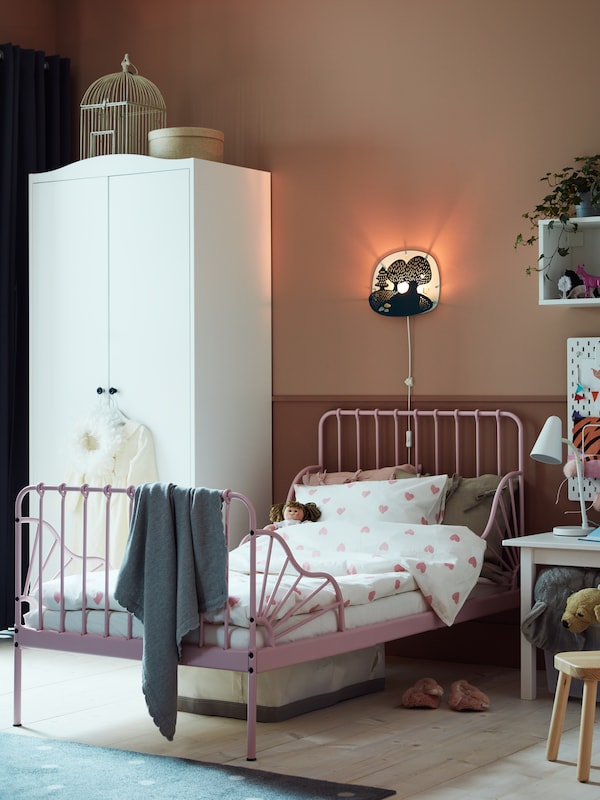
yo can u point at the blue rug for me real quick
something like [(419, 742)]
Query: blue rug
[(33, 767)]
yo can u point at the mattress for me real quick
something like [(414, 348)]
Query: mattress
[(117, 622), (355, 616)]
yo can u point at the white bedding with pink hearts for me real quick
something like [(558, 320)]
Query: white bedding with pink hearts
[(369, 562), (71, 589)]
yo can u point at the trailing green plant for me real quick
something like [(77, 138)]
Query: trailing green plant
[(573, 185)]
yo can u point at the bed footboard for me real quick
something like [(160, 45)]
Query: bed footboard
[(64, 582), (64, 589)]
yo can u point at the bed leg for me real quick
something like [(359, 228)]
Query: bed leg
[(17, 672), (251, 715)]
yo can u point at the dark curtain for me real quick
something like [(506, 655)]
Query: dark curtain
[(34, 137)]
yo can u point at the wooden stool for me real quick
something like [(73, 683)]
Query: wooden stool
[(584, 665)]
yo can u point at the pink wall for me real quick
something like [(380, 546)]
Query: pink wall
[(386, 124), (31, 24)]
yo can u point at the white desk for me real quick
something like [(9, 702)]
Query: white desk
[(558, 551)]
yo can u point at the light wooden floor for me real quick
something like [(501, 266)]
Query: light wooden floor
[(431, 754)]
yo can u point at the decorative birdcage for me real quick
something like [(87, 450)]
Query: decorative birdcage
[(117, 112)]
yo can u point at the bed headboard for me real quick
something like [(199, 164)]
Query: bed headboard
[(468, 442)]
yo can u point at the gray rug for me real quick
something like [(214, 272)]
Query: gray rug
[(33, 767)]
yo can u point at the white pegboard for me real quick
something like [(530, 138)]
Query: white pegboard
[(583, 397)]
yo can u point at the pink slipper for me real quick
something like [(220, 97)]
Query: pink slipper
[(426, 693), (465, 697)]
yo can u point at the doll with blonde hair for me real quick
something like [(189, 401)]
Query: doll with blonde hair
[(292, 513)]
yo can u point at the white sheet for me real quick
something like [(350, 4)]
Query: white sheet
[(387, 608)]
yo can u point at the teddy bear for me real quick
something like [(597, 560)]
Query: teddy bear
[(582, 610), (543, 626)]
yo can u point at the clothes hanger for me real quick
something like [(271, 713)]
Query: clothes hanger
[(110, 408)]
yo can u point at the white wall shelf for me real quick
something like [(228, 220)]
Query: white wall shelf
[(584, 248)]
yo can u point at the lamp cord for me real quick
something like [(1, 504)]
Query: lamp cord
[(409, 384), (409, 380), (558, 491)]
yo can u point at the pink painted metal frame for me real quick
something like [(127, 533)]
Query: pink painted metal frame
[(360, 439), (48, 544)]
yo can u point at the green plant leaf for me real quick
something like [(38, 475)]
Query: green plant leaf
[(566, 187)]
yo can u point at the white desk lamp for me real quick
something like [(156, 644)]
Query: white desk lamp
[(548, 450)]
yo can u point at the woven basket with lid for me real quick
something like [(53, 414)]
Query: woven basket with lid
[(118, 111), (187, 142)]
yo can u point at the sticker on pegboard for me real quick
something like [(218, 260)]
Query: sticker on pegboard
[(583, 410)]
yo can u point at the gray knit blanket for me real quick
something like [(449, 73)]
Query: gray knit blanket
[(174, 569), (542, 626)]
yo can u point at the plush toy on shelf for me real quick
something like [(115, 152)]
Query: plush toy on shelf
[(591, 282), (582, 610)]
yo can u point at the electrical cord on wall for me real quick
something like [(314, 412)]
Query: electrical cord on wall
[(409, 384)]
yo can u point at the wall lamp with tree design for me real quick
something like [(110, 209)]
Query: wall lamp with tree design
[(405, 283)]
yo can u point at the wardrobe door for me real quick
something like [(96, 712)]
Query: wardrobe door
[(232, 392), (68, 285), (150, 311)]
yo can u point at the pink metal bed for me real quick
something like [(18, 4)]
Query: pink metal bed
[(292, 612)]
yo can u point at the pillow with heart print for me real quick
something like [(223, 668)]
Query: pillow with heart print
[(413, 500)]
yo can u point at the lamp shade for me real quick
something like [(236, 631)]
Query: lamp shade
[(548, 445)]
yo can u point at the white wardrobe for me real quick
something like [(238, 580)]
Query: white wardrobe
[(152, 277)]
